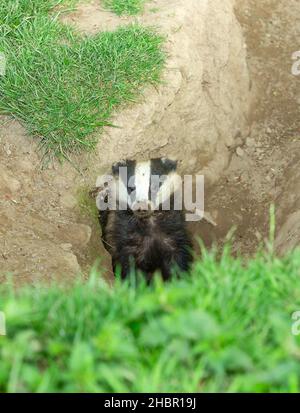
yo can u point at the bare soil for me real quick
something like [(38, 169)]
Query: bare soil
[(48, 231), (263, 165)]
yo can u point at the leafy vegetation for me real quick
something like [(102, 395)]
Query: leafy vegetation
[(64, 86), (129, 7), (226, 327)]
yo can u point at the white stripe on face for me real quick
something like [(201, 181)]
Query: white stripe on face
[(172, 184), (142, 181)]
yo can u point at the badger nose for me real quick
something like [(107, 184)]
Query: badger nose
[(142, 206)]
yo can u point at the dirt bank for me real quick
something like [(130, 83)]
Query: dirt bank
[(47, 224), (203, 102), (264, 168)]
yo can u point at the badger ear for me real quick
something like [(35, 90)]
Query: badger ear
[(170, 164), (116, 166)]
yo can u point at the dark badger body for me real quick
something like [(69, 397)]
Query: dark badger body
[(144, 236)]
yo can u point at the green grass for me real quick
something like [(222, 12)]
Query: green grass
[(87, 205), (127, 7), (226, 327), (64, 86)]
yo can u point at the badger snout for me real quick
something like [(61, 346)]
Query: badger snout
[(142, 207)]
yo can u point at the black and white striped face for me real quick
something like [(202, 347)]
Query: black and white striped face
[(144, 186)]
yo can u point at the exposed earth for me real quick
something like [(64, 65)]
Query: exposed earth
[(264, 168), (49, 230)]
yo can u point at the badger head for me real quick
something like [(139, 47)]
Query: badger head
[(145, 187)]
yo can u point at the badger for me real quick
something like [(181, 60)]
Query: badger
[(141, 229)]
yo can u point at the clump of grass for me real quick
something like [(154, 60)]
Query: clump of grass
[(225, 327), (127, 7), (64, 86), (14, 13)]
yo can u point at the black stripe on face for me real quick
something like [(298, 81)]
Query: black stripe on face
[(160, 167), (130, 166), (130, 176)]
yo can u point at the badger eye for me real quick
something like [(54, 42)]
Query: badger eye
[(131, 189)]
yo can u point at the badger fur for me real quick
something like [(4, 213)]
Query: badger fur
[(139, 234)]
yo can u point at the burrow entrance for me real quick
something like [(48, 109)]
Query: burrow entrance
[(47, 230)]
